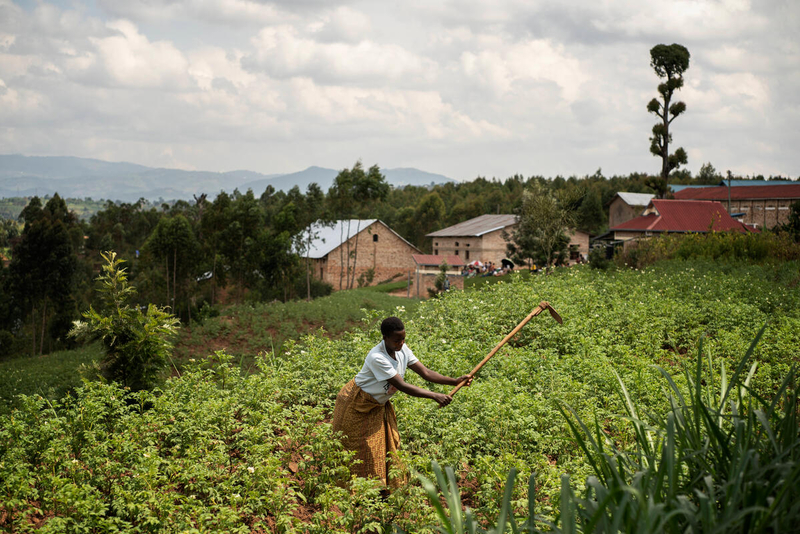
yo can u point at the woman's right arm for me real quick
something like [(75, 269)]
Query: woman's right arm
[(416, 391)]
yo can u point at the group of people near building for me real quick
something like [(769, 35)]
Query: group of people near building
[(489, 268)]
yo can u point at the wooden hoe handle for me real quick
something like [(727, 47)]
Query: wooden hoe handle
[(544, 305)]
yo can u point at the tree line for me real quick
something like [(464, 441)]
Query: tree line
[(235, 247)]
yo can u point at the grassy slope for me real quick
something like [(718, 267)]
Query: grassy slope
[(240, 330), (51, 375), (246, 330)]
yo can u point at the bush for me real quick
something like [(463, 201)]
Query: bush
[(366, 278), (6, 343), (136, 344), (319, 288), (598, 258), (715, 245)]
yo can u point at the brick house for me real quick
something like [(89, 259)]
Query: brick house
[(482, 239), (379, 248), (678, 216), (427, 269), (626, 206), (763, 206), (479, 239)]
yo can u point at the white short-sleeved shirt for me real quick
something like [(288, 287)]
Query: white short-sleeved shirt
[(379, 367)]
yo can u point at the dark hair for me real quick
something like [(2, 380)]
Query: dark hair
[(391, 324)]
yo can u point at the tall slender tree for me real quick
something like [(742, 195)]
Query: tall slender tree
[(43, 268), (669, 62)]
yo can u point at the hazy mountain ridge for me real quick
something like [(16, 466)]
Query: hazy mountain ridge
[(83, 177)]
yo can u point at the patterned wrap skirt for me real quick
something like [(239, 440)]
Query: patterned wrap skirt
[(370, 429)]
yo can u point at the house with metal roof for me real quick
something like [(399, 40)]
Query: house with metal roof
[(346, 251), (480, 238), (678, 216), (626, 206), (733, 183), (763, 206)]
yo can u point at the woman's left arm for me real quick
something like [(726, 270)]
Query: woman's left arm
[(436, 378)]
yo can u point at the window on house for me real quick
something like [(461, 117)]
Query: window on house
[(375, 238), (456, 243), (456, 252), (436, 251), (437, 244), (466, 254), (466, 245)]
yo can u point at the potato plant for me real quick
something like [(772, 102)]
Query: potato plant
[(217, 450)]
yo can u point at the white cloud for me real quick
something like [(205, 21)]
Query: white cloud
[(132, 60), (502, 66), (477, 87), (701, 20), (343, 24), (231, 12), (284, 53)]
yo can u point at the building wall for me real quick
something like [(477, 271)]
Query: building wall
[(389, 256), (765, 213), (494, 246), (424, 280), (624, 236), (620, 211), (466, 248), (489, 247), (581, 241)]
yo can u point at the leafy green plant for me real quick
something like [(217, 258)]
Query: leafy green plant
[(179, 457), (137, 345), (720, 459), (454, 522)]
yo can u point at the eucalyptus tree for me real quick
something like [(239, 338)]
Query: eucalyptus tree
[(43, 268), (669, 62), (173, 240)]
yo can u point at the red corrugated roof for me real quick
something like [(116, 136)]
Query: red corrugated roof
[(684, 216), (788, 191), (436, 259)]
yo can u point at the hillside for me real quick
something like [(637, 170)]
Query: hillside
[(216, 450), (25, 176)]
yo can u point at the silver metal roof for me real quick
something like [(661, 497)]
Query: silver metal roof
[(326, 238), (476, 227), (636, 199)]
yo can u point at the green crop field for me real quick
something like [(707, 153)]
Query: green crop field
[(247, 330), (51, 375), (216, 449)]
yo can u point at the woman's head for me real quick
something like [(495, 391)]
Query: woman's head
[(394, 333)]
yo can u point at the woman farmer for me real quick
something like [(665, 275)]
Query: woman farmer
[(364, 413)]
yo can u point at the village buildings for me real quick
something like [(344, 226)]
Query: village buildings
[(762, 206), (374, 250), (485, 239), (480, 238), (626, 206), (678, 216)]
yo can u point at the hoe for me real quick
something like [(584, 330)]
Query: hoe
[(544, 305)]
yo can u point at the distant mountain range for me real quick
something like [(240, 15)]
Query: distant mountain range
[(24, 176)]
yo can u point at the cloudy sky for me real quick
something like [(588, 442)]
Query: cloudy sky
[(464, 88)]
